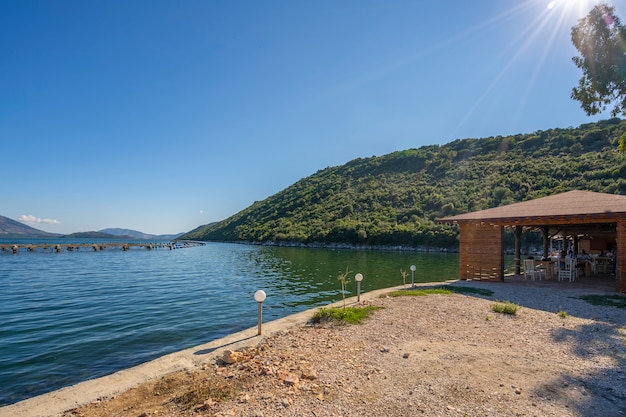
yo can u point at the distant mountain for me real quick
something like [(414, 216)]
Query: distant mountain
[(13, 229), (93, 235), (134, 234)]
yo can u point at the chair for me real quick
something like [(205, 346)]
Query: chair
[(593, 265), (570, 271), (531, 271)]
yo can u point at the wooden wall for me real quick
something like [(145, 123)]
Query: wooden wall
[(480, 252)]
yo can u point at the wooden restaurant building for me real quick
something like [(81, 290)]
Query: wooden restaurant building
[(586, 220)]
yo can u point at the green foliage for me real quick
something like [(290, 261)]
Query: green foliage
[(441, 289), (562, 314), (352, 315), (395, 199), (605, 300), (505, 307), (420, 292), (599, 38)]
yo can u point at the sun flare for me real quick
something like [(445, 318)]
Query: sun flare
[(572, 6)]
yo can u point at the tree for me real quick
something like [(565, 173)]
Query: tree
[(600, 39)]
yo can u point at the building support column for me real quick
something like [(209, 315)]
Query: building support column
[(517, 232), (502, 253), (620, 252), (546, 241)]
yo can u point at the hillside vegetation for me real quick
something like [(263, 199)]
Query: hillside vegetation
[(395, 199)]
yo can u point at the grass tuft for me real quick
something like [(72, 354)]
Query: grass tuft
[(605, 300), (199, 389), (562, 314), (505, 307), (420, 292), (352, 315), (441, 289)]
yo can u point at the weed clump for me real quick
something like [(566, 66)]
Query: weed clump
[(352, 315), (505, 307), (441, 289)]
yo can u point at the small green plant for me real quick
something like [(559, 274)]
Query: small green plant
[(352, 315), (562, 314), (605, 300), (505, 307), (488, 317), (344, 281), (404, 274)]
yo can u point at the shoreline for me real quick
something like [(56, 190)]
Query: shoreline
[(55, 403)]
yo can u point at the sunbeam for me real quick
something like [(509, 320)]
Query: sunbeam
[(550, 25)]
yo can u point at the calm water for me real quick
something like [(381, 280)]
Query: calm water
[(71, 316)]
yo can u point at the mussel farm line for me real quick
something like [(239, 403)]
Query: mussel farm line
[(70, 247)]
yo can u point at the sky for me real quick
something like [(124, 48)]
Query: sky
[(161, 116)]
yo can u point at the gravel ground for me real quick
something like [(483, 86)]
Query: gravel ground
[(439, 355)]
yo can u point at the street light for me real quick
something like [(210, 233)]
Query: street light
[(413, 276), (358, 278), (259, 296)]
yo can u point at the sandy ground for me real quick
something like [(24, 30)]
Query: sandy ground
[(439, 355)]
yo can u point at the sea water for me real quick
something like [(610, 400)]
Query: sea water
[(71, 316)]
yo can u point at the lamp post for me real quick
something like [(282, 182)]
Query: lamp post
[(259, 296), (413, 276), (358, 278)]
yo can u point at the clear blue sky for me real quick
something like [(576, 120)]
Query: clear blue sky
[(161, 116)]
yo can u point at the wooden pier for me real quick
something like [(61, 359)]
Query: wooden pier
[(95, 247)]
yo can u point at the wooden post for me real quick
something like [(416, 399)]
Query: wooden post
[(620, 252), (517, 232), (546, 241)]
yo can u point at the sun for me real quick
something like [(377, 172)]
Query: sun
[(572, 6)]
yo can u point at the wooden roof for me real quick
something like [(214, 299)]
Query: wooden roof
[(565, 208)]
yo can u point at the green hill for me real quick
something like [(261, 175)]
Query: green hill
[(395, 199), (94, 235)]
